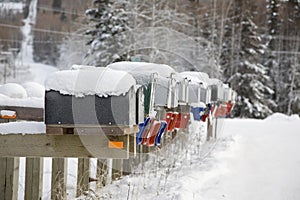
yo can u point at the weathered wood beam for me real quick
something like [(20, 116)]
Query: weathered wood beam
[(83, 175), (62, 146), (33, 178), (59, 179), (9, 178)]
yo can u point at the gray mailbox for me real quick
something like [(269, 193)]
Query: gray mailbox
[(156, 79), (90, 96), (217, 90)]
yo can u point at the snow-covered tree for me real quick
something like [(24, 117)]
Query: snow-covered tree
[(287, 54), (7, 66), (250, 79), (271, 62), (109, 21)]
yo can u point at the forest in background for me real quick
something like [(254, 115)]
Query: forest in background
[(253, 45)]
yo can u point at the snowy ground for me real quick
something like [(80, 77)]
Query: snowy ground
[(252, 159)]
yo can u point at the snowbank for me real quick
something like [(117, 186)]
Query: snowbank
[(13, 90), (279, 117), (34, 89), (252, 159), (12, 94), (22, 127), (40, 72), (90, 81), (33, 102)]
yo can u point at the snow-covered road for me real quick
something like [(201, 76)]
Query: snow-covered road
[(261, 161), (252, 160)]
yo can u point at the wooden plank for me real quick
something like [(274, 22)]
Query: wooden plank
[(90, 129), (33, 178), (107, 130), (117, 169), (54, 130), (60, 146), (209, 129), (83, 176), (26, 113), (9, 178), (102, 173), (59, 179), (128, 163), (2, 177)]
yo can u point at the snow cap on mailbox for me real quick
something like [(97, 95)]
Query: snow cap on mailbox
[(89, 80), (142, 71), (196, 77)]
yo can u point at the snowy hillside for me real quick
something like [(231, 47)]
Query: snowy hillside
[(252, 159)]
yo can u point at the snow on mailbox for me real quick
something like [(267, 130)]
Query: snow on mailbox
[(156, 81), (89, 101), (198, 88), (160, 88), (198, 93), (90, 96)]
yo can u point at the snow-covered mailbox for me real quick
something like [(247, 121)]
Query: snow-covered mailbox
[(159, 90), (221, 95), (229, 98), (217, 90), (88, 101), (156, 80), (198, 94)]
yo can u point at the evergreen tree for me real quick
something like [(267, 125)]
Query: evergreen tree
[(272, 44), (108, 35), (287, 56), (250, 79)]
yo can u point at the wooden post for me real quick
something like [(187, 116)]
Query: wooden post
[(216, 128), (117, 168), (9, 178), (59, 179), (128, 163), (209, 129), (83, 176), (102, 173), (33, 178)]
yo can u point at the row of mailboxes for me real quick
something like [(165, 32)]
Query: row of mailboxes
[(153, 90), (151, 97)]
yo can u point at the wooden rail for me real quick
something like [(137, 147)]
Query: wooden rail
[(63, 146)]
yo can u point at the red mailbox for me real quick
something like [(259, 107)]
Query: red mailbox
[(221, 111), (171, 119), (150, 139), (182, 120)]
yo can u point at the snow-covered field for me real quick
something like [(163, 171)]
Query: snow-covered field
[(251, 160)]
